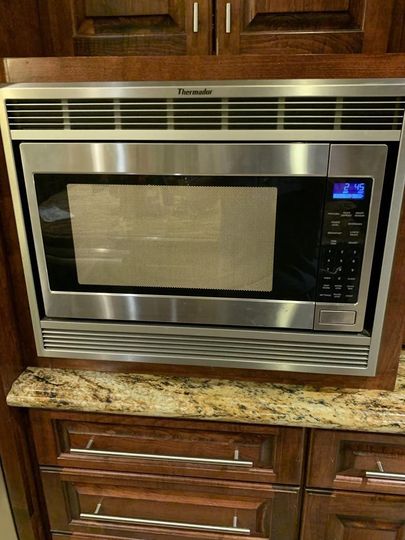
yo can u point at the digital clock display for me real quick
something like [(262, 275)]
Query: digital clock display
[(349, 190)]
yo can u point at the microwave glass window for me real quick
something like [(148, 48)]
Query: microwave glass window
[(192, 237), (223, 236)]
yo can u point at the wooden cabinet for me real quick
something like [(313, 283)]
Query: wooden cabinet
[(353, 516), (111, 476), (126, 27), (303, 26), (350, 463), (152, 506), (199, 27), (184, 448), (357, 461)]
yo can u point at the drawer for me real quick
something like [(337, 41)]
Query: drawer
[(144, 506), (173, 447), (353, 516), (357, 461)]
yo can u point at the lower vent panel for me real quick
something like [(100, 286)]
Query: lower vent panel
[(205, 350)]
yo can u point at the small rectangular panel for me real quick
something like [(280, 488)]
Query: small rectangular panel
[(337, 317), (123, 8), (194, 237)]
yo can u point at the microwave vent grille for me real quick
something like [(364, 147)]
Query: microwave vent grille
[(199, 349), (312, 113)]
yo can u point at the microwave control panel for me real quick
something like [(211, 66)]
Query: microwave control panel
[(343, 236)]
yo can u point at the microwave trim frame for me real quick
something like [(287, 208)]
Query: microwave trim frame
[(314, 87)]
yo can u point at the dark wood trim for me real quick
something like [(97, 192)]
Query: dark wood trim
[(157, 68), (206, 68), (15, 451), (20, 32), (397, 32)]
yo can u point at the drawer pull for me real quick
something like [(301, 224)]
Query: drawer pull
[(382, 475), (159, 457), (171, 524), (378, 475), (195, 17), (228, 18)]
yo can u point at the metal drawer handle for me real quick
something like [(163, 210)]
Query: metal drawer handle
[(172, 524), (228, 18), (159, 457), (385, 476), (382, 475), (195, 17)]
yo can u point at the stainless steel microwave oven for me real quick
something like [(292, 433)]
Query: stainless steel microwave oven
[(232, 224)]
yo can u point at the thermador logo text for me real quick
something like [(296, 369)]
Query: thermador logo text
[(185, 92)]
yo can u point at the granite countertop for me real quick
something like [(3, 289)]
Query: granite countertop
[(213, 399)]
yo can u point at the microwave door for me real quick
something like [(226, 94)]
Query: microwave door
[(139, 232)]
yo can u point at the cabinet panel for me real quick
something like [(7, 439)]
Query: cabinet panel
[(202, 449), (349, 516), (132, 506), (302, 26), (357, 461), (127, 27)]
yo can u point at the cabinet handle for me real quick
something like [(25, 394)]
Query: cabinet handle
[(171, 524), (228, 18), (160, 457), (378, 475), (382, 475), (195, 17)]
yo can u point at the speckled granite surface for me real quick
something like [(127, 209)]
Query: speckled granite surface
[(209, 399)]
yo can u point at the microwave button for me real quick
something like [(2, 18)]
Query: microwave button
[(325, 296), (350, 297), (337, 317)]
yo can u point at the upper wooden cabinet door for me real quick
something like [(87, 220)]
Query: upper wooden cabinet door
[(303, 26), (126, 27)]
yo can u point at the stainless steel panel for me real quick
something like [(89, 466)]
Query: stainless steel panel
[(202, 345), (389, 251), (193, 159), (215, 114), (197, 159), (356, 161), (264, 135), (7, 527), (372, 88), (231, 89), (155, 308), (337, 317)]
